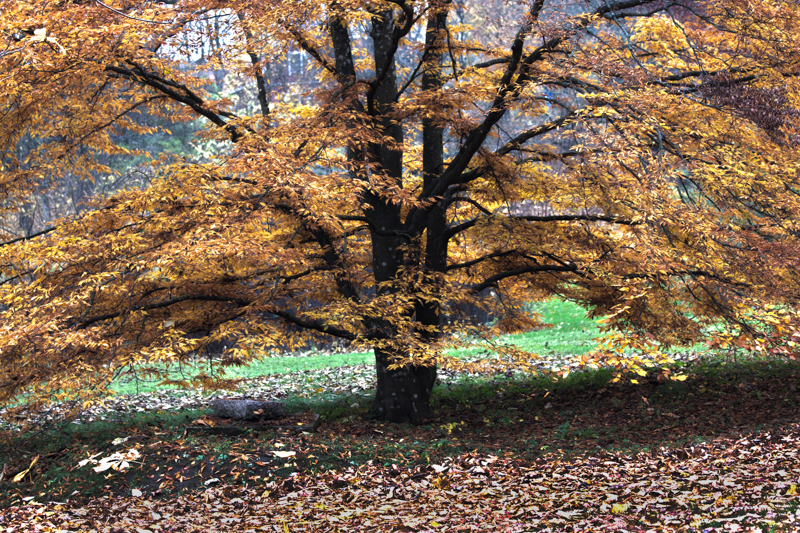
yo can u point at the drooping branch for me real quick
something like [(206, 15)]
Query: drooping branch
[(580, 218), (468, 264), (178, 93), (691, 273), (31, 236), (115, 119), (493, 280), (514, 144), (131, 17), (86, 322), (313, 52), (459, 228), (319, 327)]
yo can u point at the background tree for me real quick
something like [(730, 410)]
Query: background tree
[(660, 136)]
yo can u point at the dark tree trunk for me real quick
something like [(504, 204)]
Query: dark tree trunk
[(402, 395)]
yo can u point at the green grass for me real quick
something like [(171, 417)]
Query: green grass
[(571, 334), (260, 367)]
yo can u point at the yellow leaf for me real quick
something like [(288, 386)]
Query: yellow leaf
[(21, 475), (619, 508), (792, 490)]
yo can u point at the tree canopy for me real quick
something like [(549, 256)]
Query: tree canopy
[(639, 157)]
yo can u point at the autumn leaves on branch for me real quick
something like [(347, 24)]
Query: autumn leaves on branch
[(381, 188)]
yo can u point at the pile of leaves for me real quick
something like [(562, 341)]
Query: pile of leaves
[(741, 483)]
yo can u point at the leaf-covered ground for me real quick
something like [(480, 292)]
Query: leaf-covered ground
[(721, 485), (717, 452)]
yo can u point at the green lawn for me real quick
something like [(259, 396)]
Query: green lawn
[(571, 334)]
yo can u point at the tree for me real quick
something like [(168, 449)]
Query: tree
[(660, 136)]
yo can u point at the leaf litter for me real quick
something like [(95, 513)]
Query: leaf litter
[(724, 485), (745, 476)]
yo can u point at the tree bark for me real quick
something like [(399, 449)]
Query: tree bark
[(402, 395)]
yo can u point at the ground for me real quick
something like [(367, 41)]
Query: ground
[(718, 451)]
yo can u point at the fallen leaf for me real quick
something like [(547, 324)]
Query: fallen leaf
[(204, 420), (619, 508), (21, 475), (283, 454)]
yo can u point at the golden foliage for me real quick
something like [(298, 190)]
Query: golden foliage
[(637, 157)]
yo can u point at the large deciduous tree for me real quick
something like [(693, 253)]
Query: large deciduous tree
[(639, 157)]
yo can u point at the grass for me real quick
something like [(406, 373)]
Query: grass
[(520, 417), (276, 365), (571, 334)]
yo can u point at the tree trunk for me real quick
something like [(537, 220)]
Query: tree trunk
[(402, 395)]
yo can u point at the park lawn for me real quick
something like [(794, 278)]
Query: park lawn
[(724, 440), (571, 334)]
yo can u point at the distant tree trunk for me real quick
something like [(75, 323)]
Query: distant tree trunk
[(26, 219), (402, 395)]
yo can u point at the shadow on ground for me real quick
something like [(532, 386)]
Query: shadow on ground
[(511, 418)]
